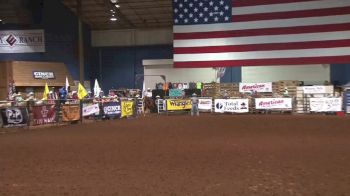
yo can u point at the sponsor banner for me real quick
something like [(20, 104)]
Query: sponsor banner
[(112, 109), (70, 113), (178, 104), (127, 108), (314, 89), (91, 109), (22, 41), (273, 103), (325, 104), (14, 116), (232, 105), (176, 93), (43, 75), (255, 87), (44, 114), (205, 104)]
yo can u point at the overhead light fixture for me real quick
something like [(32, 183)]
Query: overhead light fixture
[(113, 18), (117, 5), (114, 1)]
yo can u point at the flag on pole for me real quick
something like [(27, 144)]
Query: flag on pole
[(143, 88), (46, 92), (67, 84), (81, 91), (97, 89)]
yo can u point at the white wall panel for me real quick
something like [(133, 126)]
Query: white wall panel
[(165, 67), (310, 74)]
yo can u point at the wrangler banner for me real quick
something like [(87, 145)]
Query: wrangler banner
[(127, 108), (70, 113), (178, 104), (14, 117), (112, 109), (44, 114)]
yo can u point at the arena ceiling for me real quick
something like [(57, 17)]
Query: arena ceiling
[(131, 14)]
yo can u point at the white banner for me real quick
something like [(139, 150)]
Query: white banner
[(325, 104), (255, 87), (205, 104), (22, 41), (232, 105), (314, 89), (273, 103), (91, 109)]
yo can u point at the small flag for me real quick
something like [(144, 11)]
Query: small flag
[(81, 91), (46, 92), (97, 89), (67, 84), (143, 89)]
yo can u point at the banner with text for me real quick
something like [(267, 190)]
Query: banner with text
[(255, 87), (273, 103), (127, 108), (70, 113), (22, 41), (232, 105), (205, 104), (112, 109), (178, 104), (45, 114), (14, 117), (91, 109), (325, 104)]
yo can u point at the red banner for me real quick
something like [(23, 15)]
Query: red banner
[(45, 114)]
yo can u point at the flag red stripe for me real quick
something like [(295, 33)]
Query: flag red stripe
[(260, 32), (241, 3), (292, 14), (264, 47), (264, 62)]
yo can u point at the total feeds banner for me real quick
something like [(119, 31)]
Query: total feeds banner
[(232, 105), (273, 103), (255, 87), (205, 104), (325, 104), (178, 104), (45, 114), (22, 41)]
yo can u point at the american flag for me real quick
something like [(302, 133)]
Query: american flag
[(218, 33)]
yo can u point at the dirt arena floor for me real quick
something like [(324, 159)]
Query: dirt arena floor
[(181, 155)]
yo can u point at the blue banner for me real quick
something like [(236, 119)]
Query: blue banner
[(111, 109)]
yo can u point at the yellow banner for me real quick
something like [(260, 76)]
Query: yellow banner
[(178, 104), (127, 108)]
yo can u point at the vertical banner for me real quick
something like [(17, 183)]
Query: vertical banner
[(14, 117), (44, 114), (112, 109), (70, 113), (127, 108)]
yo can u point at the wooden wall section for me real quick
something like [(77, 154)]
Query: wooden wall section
[(5, 76), (23, 73)]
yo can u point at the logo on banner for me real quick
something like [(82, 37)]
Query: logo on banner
[(219, 105), (14, 116), (43, 75), (44, 112), (112, 109), (11, 40)]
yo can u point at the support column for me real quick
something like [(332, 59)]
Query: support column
[(80, 42)]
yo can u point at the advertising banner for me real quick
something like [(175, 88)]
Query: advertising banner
[(325, 104), (112, 109), (205, 104), (232, 105), (255, 87), (45, 114), (22, 41), (314, 89), (14, 117), (70, 113), (127, 108), (91, 109), (273, 103), (176, 93), (178, 104), (43, 75)]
